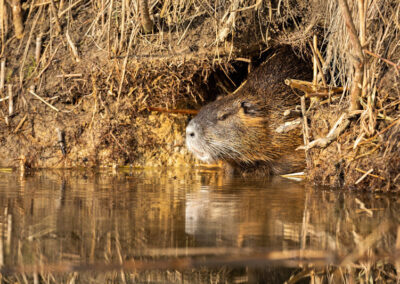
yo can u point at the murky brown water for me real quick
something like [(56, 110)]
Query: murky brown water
[(189, 226)]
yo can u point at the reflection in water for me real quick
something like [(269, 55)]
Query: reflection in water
[(190, 226)]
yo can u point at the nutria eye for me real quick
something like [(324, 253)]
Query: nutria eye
[(223, 116)]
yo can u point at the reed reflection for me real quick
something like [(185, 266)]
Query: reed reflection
[(144, 221)]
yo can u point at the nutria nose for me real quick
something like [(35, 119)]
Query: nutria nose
[(191, 130)]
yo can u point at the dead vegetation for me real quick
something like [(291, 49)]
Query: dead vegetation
[(92, 68)]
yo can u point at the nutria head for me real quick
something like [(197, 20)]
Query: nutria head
[(231, 129), (241, 131), (241, 128)]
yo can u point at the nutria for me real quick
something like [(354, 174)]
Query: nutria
[(240, 128)]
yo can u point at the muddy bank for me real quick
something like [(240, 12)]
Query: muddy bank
[(82, 75)]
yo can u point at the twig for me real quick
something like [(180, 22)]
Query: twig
[(69, 75), (10, 101), (372, 175), (124, 65), (358, 140), (366, 244), (147, 23), (69, 8), (288, 126), (4, 99), (292, 113), (182, 111), (46, 103), (358, 61), (184, 33), (363, 176), (368, 153), (17, 18), (387, 61), (49, 62), (306, 136), (72, 46), (333, 134), (317, 63), (230, 23), (20, 123), (122, 31), (28, 43), (55, 14), (3, 31), (381, 132), (38, 48), (313, 90), (2, 74), (119, 145), (363, 208)]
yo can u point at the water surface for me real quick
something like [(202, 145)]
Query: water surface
[(190, 226)]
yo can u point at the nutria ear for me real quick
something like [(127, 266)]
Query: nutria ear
[(249, 108)]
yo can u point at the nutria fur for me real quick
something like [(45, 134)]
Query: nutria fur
[(240, 128)]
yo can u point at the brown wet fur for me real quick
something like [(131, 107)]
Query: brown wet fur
[(249, 130)]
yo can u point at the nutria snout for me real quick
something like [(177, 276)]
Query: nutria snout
[(240, 128)]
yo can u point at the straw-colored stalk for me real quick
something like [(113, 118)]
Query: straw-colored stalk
[(55, 14), (358, 56), (230, 22), (147, 23), (17, 18), (123, 13), (2, 18), (2, 74), (71, 44), (38, 48), (10, 101)]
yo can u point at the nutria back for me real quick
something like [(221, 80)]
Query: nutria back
[(240, 128)]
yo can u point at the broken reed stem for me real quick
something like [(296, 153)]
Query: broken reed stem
[(306, 136), (337, 129), (315, 51), (358, 61), (109, 29), (28, 43), (2, 27), (123, 12), (2, 73), (20, 123), (369, 173), (180, 111), (55, 14), (10, 101), (315, 68), (146, 21), (230, 23), (38, 48), (124, 66), (73, 47), (313, 90), (387, 61), (363, 176), (397, 121), (49, 61), (17, 18), (42, 100), (60, 14)]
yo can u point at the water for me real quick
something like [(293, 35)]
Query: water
[(187, 226)]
